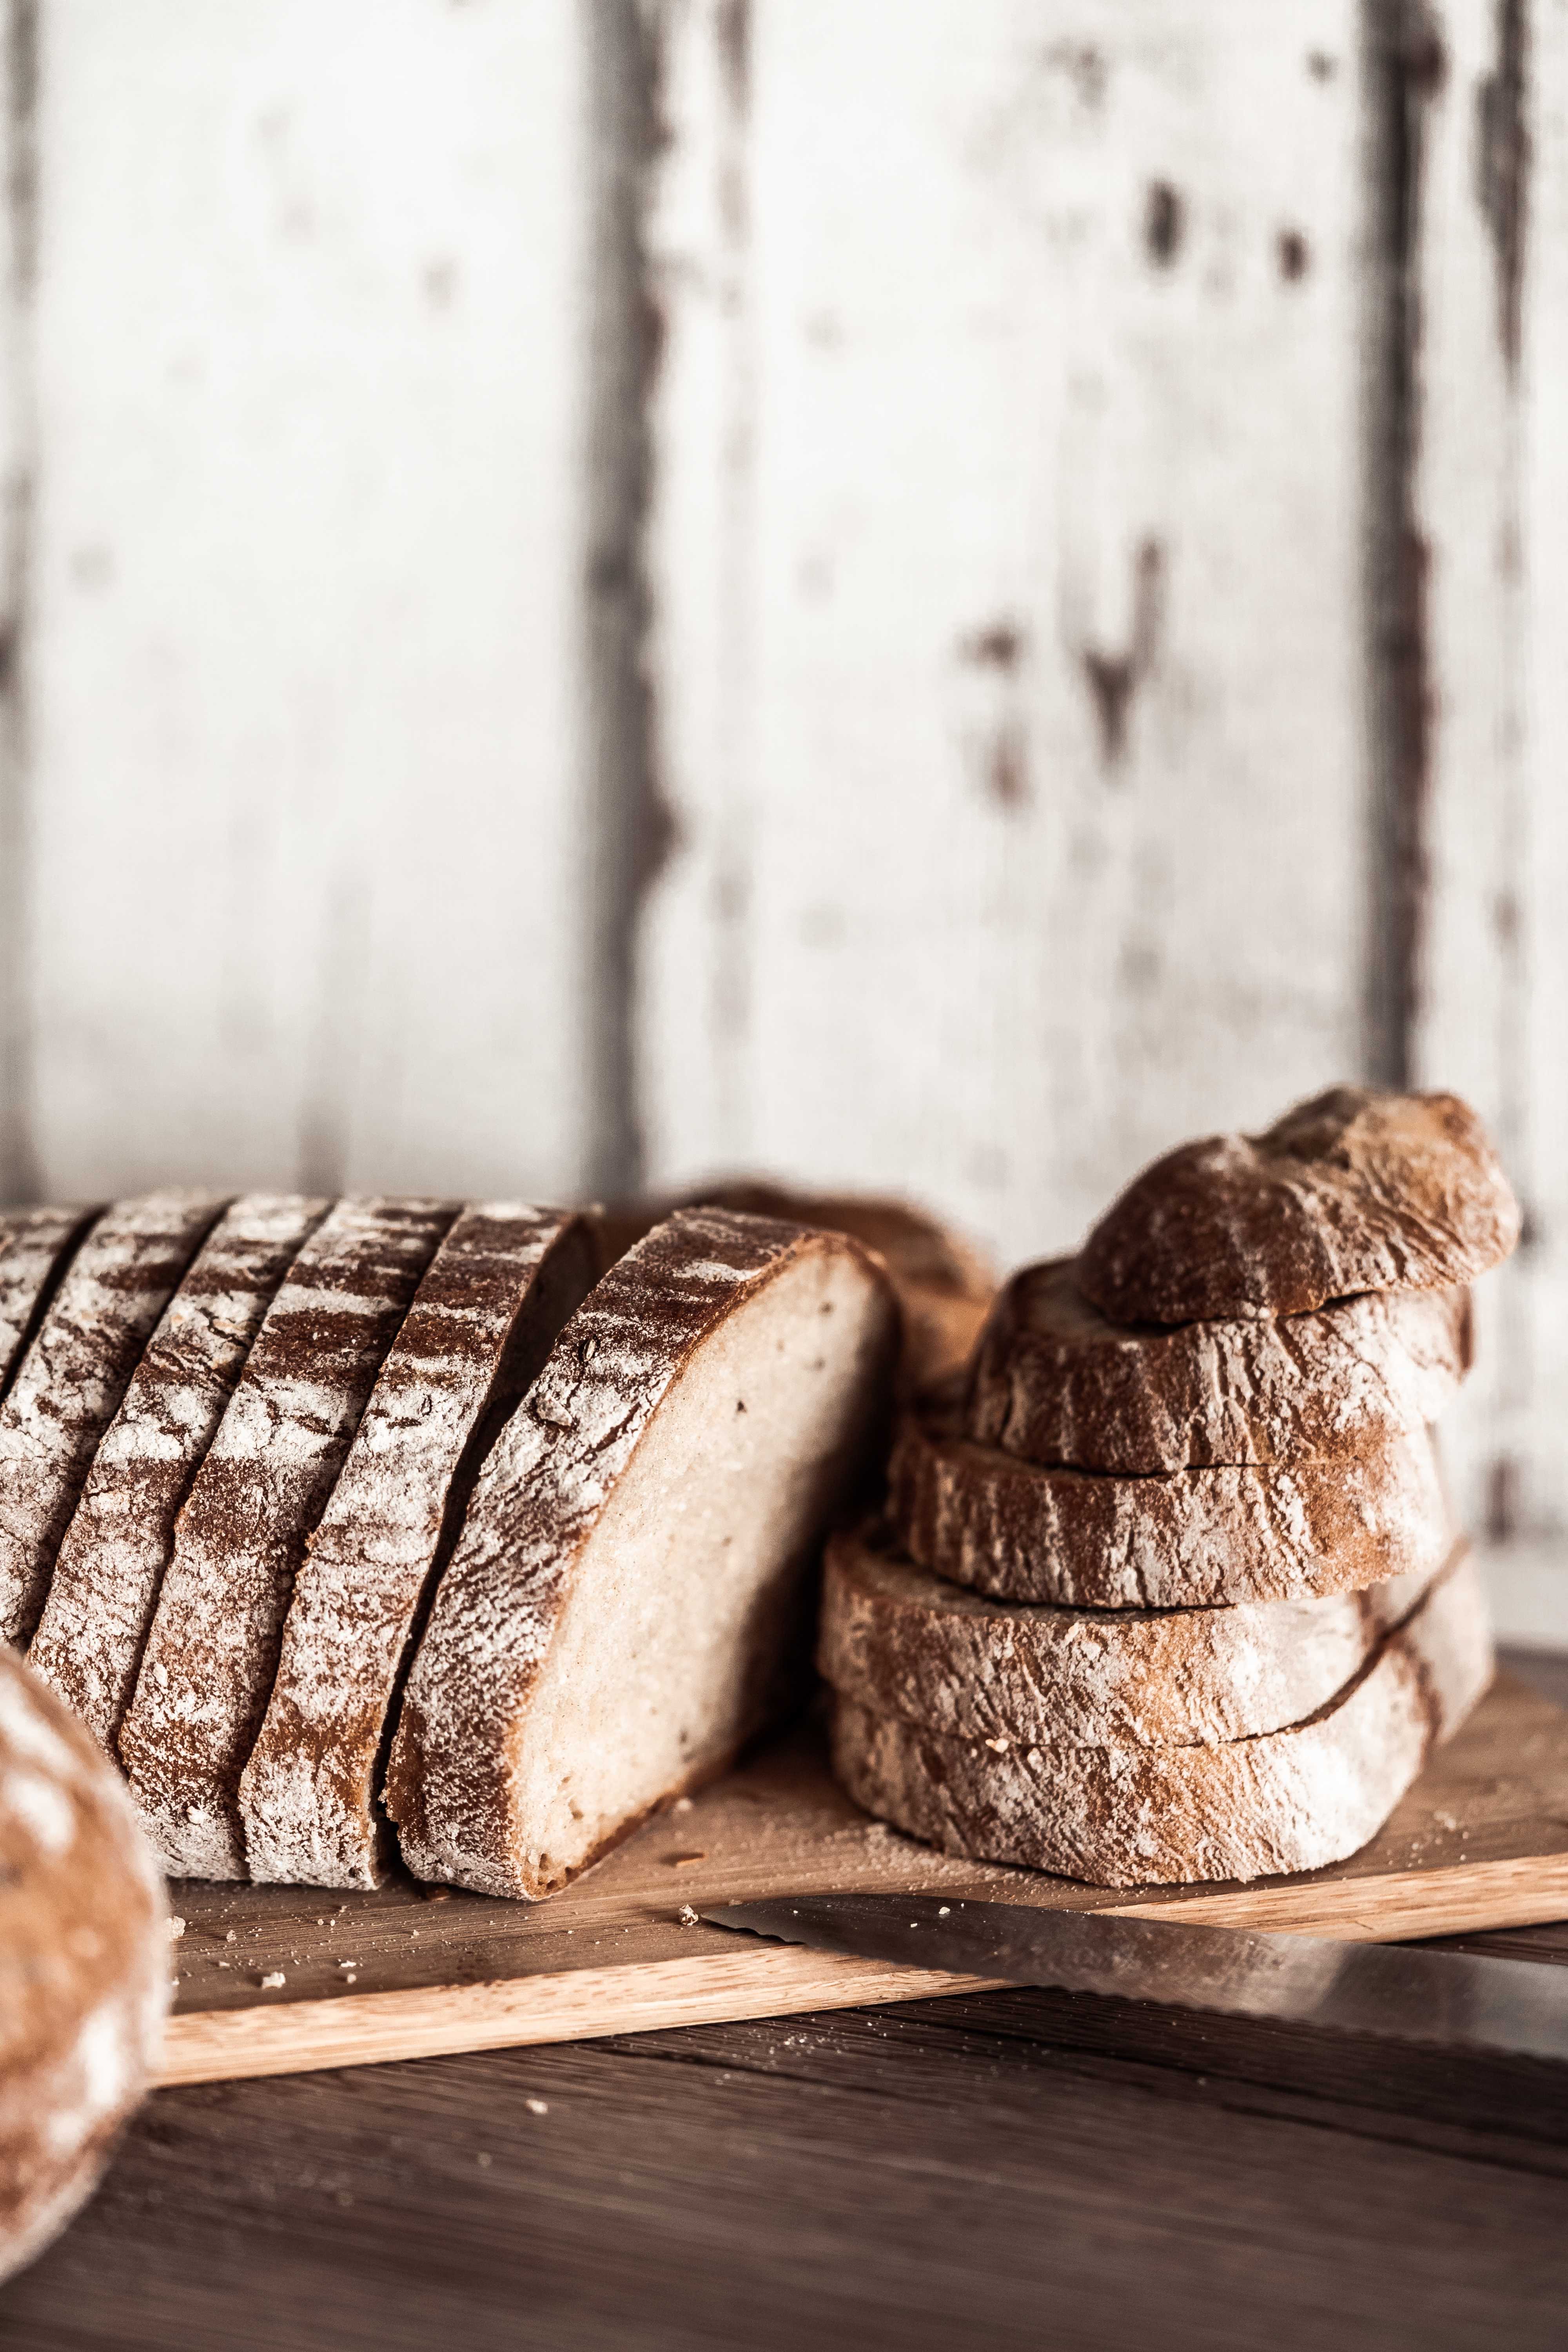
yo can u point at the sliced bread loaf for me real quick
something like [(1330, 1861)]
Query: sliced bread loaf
[(1354, 1191), (207, 1671), (84, 1964), (1131, 1816), (34, 1247), (105, 1586), (1025, 1531), (627, 1605), (72, 1377), (1055, 1381), (485, 1318), (899, 1641)]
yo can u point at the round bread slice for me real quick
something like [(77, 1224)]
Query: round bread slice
[(630, 1601), (483, 1320), (111, 1565), (1024, 1531), (84, 1963), (1141, 1816), (1055, 1381), (69, 1384), (900, 1641), (35, 1248), (212, 1649), (1354, 1191)]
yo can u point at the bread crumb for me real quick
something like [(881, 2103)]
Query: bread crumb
[(176, 1929), (942, 1909), (999, 1746), (1445, 1820), (273, 1977), (231, 1937), (687, 1916), (682, 1805), (684, 1861), (536, 2106), (482, 2160)]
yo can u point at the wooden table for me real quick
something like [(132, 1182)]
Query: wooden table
[(1017, 2169)]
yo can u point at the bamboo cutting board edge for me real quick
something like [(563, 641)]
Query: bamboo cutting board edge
[(1481, 1842)]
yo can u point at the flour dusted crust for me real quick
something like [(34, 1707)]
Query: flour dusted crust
[(207, 1671), (1055, 1381), (1024, 1531), (486, 1316), (1353, 1191), (88, 1641), (903, 1641), (84, 1964), (623, 1609), (34, 1245), (70, 1382), (1291, 1800), (944, 1286)]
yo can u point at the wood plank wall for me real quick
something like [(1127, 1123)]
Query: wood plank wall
[(927, 598)]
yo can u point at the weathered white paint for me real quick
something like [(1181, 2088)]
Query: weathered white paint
[(304, 670), (940, 430), (1492, 502)]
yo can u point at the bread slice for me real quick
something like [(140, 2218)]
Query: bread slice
[(70, 1382), (1055, 1381), (84, 1964), (903, 1641), (944, 1285), (1353, 1191), (1135, 1816), (627, 1602), (207, 1671), (88, 1641), (487, 1314), (35, 1247), (1022, 1531)]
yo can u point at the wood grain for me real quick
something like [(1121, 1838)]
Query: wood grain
[(1019, 782), (1482, 1843), (306, 853)]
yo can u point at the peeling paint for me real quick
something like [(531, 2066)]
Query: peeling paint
[(1502, 168), (1406, 68), (1114, 679), (631, 823)]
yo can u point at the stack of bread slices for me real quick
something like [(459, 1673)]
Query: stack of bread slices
[(465, 1525), (1169, 1590)]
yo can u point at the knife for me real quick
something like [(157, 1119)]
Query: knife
[(1456, 2001)]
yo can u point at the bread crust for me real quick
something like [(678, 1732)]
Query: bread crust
[(900, 1641), (542, 1492), (1288, 1800), (1055, 1381), (111, 1565), (84, 1964), (1024, 1531), (34, 1247), (207, 1671), (1357, 1190), (69, 1384), (485, 1317)]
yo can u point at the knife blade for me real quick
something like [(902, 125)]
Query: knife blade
[(1399, 1993)]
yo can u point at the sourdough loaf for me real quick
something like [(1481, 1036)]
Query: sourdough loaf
[(1353, 1191), (899, 1641), (207, 1671), (1130, 1816), (1026, 1531), (944, 1286), (486, 1316), (627, 1604), (111, 1565), (1055, 1381), (69, 1384), (35, 1247), (84, 1963)]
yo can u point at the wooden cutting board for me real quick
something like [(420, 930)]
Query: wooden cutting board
[(279, 1980)]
